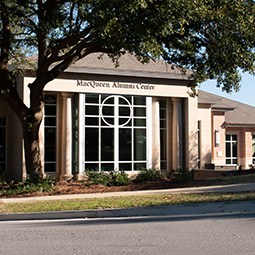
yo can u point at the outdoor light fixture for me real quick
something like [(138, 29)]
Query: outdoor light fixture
[(217, 138)]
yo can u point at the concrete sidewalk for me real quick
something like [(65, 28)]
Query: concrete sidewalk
[(189, 209)]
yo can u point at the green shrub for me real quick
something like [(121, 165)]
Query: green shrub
[(113, 178), (181, 175), (119, 178), (31, 184), (149, 175)]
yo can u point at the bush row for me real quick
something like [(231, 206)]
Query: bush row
[(120, 178), (111, 178)]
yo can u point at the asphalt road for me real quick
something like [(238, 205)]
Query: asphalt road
[(210, 234)]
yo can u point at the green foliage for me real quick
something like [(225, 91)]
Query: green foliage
[(113, 178), (31, 184), (119, 178), (181, 175), (213, 39), (149, 175)]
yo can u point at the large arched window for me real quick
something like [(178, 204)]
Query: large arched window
[(115, 132)]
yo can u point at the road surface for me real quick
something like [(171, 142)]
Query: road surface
[(205, 235)]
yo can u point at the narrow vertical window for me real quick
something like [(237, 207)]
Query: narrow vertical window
[(50, 119), (199, 144), (163, 134), (2, 145), (253, 149), (75, 132), (231, 149)]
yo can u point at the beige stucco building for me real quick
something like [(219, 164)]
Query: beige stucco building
[(132, 117)]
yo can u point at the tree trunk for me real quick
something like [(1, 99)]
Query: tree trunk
[(32, 147)]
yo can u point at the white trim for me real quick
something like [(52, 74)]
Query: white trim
[(149, 132), (81, 133)]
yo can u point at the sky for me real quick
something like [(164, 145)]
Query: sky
[(245, 95)]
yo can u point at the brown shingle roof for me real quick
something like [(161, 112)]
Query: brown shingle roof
[(128, 65), (236, 113)]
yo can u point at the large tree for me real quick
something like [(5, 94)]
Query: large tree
[(214, 38)]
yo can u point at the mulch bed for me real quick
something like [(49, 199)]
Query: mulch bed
[(65, 188)]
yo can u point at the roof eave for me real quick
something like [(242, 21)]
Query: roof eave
[(240, 124), (121, 72)]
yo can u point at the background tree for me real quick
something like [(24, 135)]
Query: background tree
[(213, 38)]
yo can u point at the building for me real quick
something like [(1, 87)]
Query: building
[(132, 117), (232, 132)]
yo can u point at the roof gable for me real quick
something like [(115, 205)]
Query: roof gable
[(236, 112)]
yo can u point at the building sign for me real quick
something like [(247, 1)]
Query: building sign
[(115, 85)]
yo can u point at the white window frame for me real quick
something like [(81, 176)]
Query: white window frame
[(164, 129), (81, 149), (253, 144), (231, 149), (56, 128)]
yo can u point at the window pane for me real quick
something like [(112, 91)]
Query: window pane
[(140, 100), (139, 166), (125, 166), (140, 111), (108, 101), (162, 103), (2, 143), (91, 144), (50, 167), (228, 150), (91, 110), (228, 161), (108, 110), (140, 144), (50, 144), (234, 149), (2, 168), (234, 137), (228, 137), (107, 121), (162, 124), (91, 166), (90, 121), (163, 166), (48, 121), (124, 111), (140, 122), (107, 144), (162, 114), (50, 110), (92, 98), (163, 144), (107, 167), (125, 145), (123, 101), (125, 121)]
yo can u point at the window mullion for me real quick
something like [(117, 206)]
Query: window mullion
[(116, 132)]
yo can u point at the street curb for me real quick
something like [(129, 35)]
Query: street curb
[(167, 210)]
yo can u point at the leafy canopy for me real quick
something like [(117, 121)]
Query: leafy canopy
[(214, 38)]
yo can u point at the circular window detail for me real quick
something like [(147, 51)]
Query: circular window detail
[(121, 111)]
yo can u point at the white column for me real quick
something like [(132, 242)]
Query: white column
[(177, 133), (156, 136), (66, 167)]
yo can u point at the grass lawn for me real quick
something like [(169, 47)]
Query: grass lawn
[(249, 178), (135, 201)]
